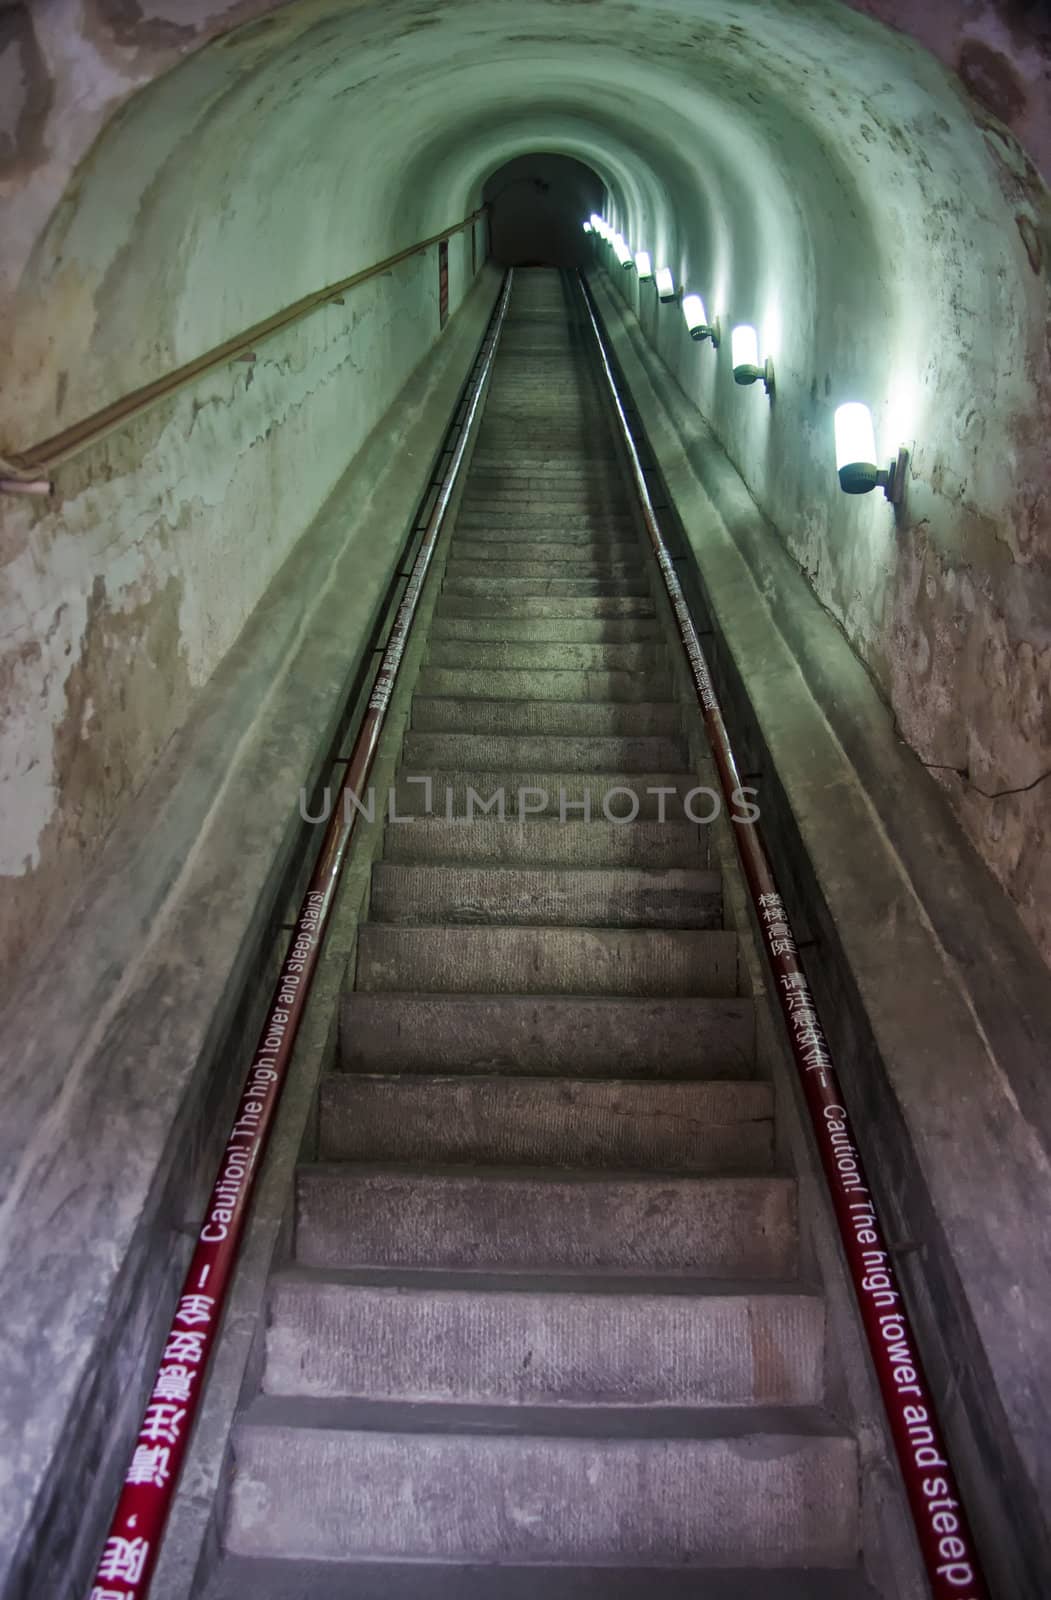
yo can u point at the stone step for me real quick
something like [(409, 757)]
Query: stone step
[(469, 752), (542, 523), (517, 1219), (509, 432), (560, 551), (522, 960), (563, 478), (621, 797), (565, 846), (586, 718), (561, 655), (501, 501), (505, 569), (536, 405), (535, 481), (560, 464), (626, 897), (585, 532), (521, 683), (238, 1577), (545, 585), (575, 431), (597, 1036), (575, 630), (492, 604), (573, 434), (340, 1494), (619, 1125), (506, 1346)]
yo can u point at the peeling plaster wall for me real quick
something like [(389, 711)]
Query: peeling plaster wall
[(805, 165), (121, 596), (931, 304), (123, 599)]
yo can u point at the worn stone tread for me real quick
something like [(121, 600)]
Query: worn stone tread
[(485, 752), (540, 655), (594, 897), (514, 1347), (518, 1219), (604, 1036), (324, 1493), (547, 843), (547, 960), (584, 718), (699, 1127)]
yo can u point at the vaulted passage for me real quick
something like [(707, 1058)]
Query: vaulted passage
[(445, 647)]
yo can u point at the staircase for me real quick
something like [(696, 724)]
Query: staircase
[(542, 1333)]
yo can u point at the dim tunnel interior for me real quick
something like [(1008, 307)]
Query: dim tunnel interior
[(194, 598), (536, 206)]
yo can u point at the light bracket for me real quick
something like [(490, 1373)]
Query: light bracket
[(709, 330), (747, 373), (861, 477)]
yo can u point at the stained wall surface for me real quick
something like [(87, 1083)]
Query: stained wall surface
[(851, 178)]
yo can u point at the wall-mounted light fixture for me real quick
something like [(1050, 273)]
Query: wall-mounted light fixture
[(643, 265), (588, 228), (744, 346), (623, 254), (856, 456), (697, 320), (665, 283)]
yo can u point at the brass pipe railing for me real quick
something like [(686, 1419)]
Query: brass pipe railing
[(27, 471)]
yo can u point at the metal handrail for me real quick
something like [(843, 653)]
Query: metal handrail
[(135, 1533), (946, 1543), (27, 470)]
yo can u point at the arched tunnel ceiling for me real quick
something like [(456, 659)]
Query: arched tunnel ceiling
[(743, 141)]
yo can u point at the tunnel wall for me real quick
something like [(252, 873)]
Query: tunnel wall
[(947, 598), (122, 1055), (131, 585)]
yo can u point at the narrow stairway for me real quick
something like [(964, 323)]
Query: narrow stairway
[(543, 1309)]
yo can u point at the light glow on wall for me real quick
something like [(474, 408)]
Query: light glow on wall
[(771, 328), (744, 344), (855, 437)]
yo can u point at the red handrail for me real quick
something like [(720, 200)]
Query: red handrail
[(133, 1542), (946, 1543)]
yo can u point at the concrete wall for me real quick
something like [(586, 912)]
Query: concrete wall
[(900, 263), (122, 1057), (934, 998), (174, 172), (126, 590)]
